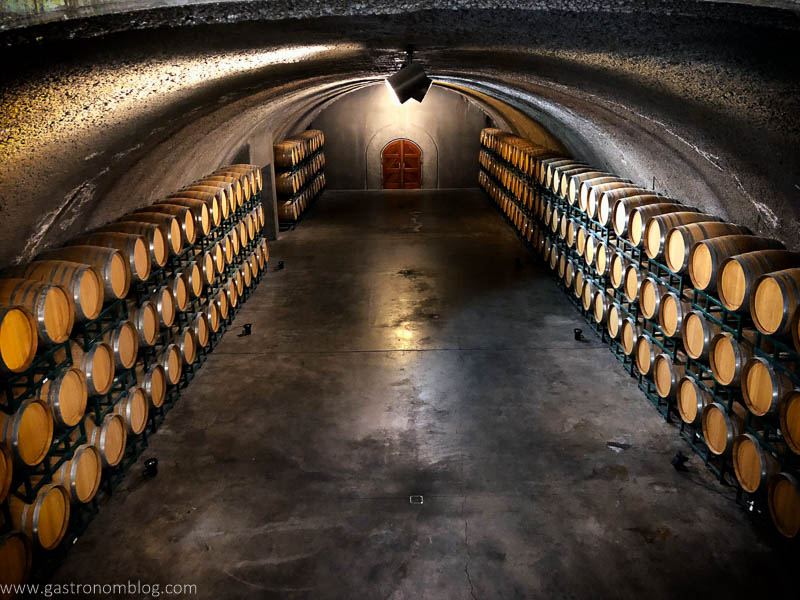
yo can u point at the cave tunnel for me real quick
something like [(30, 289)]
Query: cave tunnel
[(533, 333)]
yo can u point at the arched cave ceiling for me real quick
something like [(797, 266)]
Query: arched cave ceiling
[(699, 99)]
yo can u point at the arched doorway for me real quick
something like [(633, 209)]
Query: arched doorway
[(401, 165)]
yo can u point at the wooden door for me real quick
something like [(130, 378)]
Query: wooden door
[(401, 162)]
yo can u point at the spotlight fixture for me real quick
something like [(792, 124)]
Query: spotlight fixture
[(410, 81)]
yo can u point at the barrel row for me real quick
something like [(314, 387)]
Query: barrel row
[(292, 151), (117, 370), (619, 249), (299, 173)]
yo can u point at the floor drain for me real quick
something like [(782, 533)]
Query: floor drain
[(415, 499)]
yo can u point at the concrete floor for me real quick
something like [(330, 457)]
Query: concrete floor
[(411, 346)]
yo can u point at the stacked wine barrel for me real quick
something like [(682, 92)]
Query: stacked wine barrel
[(96, 340), (299, 174), (703, 313)]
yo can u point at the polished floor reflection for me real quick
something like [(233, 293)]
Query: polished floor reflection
[(411, 346)]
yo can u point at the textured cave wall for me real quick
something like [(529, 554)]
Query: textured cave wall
[(100, 115)]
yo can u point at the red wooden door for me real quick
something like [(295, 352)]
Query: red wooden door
[(401, 162)]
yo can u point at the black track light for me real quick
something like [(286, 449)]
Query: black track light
[(410, 81)]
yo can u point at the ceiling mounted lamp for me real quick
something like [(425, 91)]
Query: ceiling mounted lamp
[(410, 81)]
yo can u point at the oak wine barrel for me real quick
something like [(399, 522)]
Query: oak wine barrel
[(616, 270), (697, 334), (179, 287), (193, 272), (186, 340), (81, 474), (651, 292), (109, 437), (601, 258), (66, 395), (790, 419), (680, 240), (576, 181), (169, 357), (6, 473), (134, 408), (213, 199), (615, 206), (720, 427), (44, 520), (28, 432), (692, 399), (199, 210), (546, 167), (153, 381), (569, 273), (739, 274), (639, 216), (50, 306), (763, 386), (631, 281), (628, 332), (19, 339), (561, 182), (657, 228), (672, 312), (234, 191), (247, 271), (587, 186), (169, 225), (202, 330), (181, 214), (109, 263), (79, 280), (614, 320), (667, 374), (645, 353), (600, 305), (153, 235), (212, 313), (165, 305), (775, 300), (577, 283), (133, 248), (752, 464), (706, 256), (596, 193), (146, 321), (97, 364), (123, 339), (589, 249), (218, 252), (15, 559), (784, 504), (233, 295), (728, 356), (587, 294)]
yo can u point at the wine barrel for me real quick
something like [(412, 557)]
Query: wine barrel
[(181, 214), (169, 357), (720, 427), (657, 227), (600, 305), (199, 210), (180, 291), (238, 279), (623, 208), (728, 356), (28, 432), (628, 334), (252, 172), (576, 181), (697, 334), (546, 167), (167, 223), (692, 399), (631, 281), (645, 353), (97, 363), (109, 437), (133, 248), (784, 504), (6, 473), (597, 191), (614, 320), (207, 265), (562, 267), (113, 269), (590, 248), (587, 294), (639, 216), (577, 283), (44, 520), (601, 258), (563, 175), (774, 301), (153, 381), (165, 305), (706, 256), (153, 235), (264, 248), (569, 273), (212, 313), (230, 290), (587, 186), (672, 312), (202, 330), (667, 375), (145, 319), (50, 306), (134, 408), (80, 281), (213, 199), (193, 274), (228, 190), (66, 394), (123, 339), (680, 240), (580, 240), (218, 252), (572, 232), (607, 208), (247, 271), (186, 340), (15, 559), (616, 270), (752, 464), (763, 386), (18, 339), (235, 193), (244, 180), (738, 274), (651, 292), (790, 419), (81, 474), (554, 256)]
